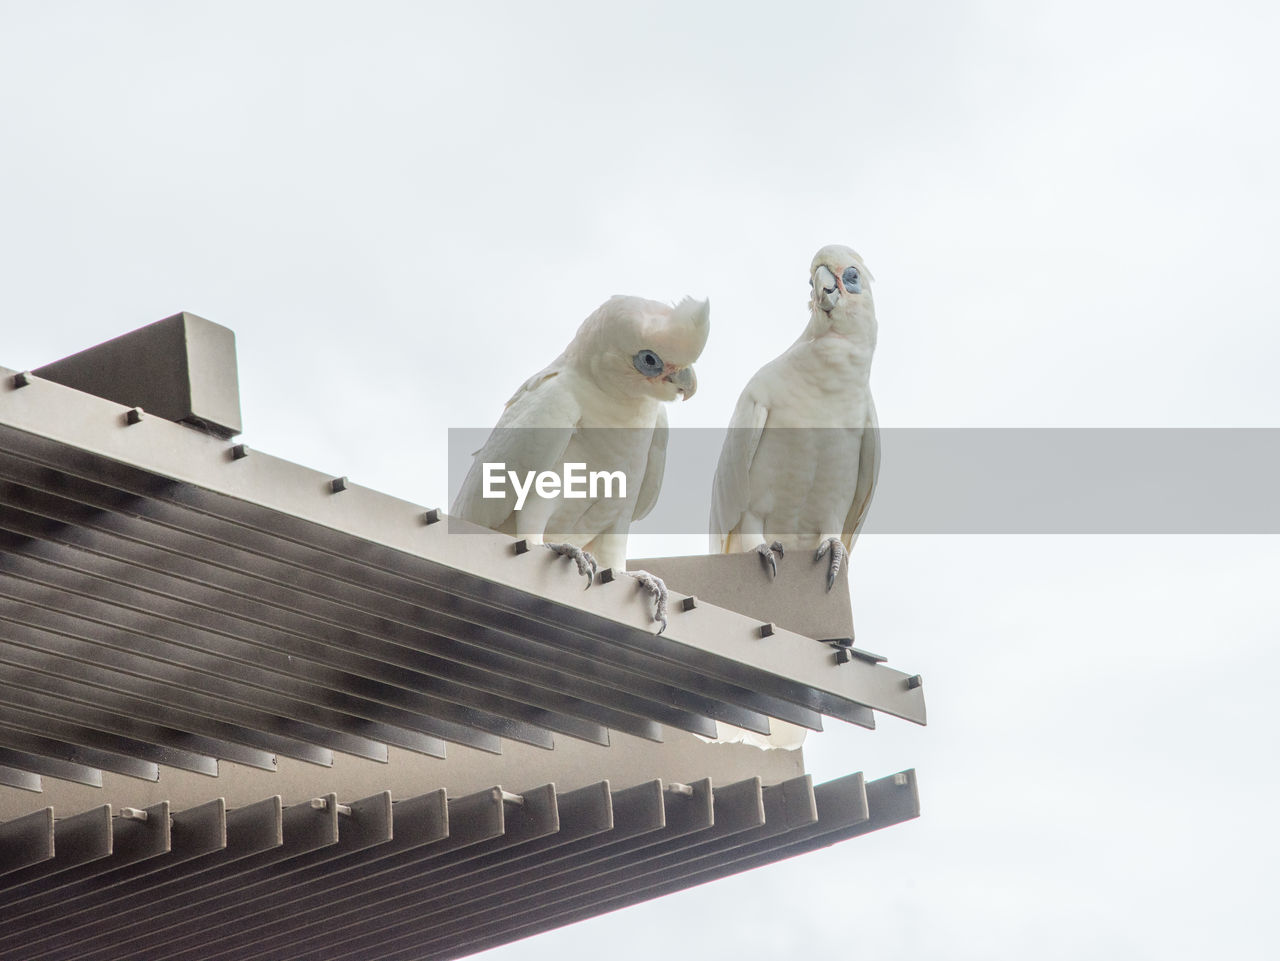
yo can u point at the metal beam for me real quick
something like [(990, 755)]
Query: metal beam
[(261, 493)]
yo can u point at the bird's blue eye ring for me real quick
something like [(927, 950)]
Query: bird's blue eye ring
[(852, 282), (647, 362)]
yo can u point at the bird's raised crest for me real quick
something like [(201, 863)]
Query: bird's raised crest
[(696, 313)]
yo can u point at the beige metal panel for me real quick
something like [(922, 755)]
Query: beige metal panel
[(796, 599)]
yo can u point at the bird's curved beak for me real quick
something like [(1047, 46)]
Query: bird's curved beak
[(826, 292), (685, 380)]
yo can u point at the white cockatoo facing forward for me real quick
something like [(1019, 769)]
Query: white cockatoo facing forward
[(600, 404), (801, 456)]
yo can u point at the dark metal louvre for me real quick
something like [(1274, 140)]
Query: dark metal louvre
[(151, 621), (330, 880)]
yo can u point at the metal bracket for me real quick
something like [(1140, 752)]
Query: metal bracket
[(845, 645), (322, 804)]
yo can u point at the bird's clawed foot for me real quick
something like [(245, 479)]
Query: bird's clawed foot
[(586, 563), (658, 590), (838, 554), (769, 554)]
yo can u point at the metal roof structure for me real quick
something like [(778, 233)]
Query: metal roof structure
[(251, 710)]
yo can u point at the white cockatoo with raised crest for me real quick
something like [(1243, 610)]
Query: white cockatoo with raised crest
[(600, 405)]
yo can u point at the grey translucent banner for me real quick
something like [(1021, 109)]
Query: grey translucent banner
[(949, 480)]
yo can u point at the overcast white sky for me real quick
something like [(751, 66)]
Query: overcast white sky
[(1071, 211)]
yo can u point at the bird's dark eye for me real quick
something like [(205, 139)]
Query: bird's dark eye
[(648, 363), (852, 282)]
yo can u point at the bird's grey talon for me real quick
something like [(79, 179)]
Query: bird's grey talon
[(586, 563), (838, 553), (769, 554), (658, 589)]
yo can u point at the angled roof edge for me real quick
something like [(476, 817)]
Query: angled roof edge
[(720, 642)]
